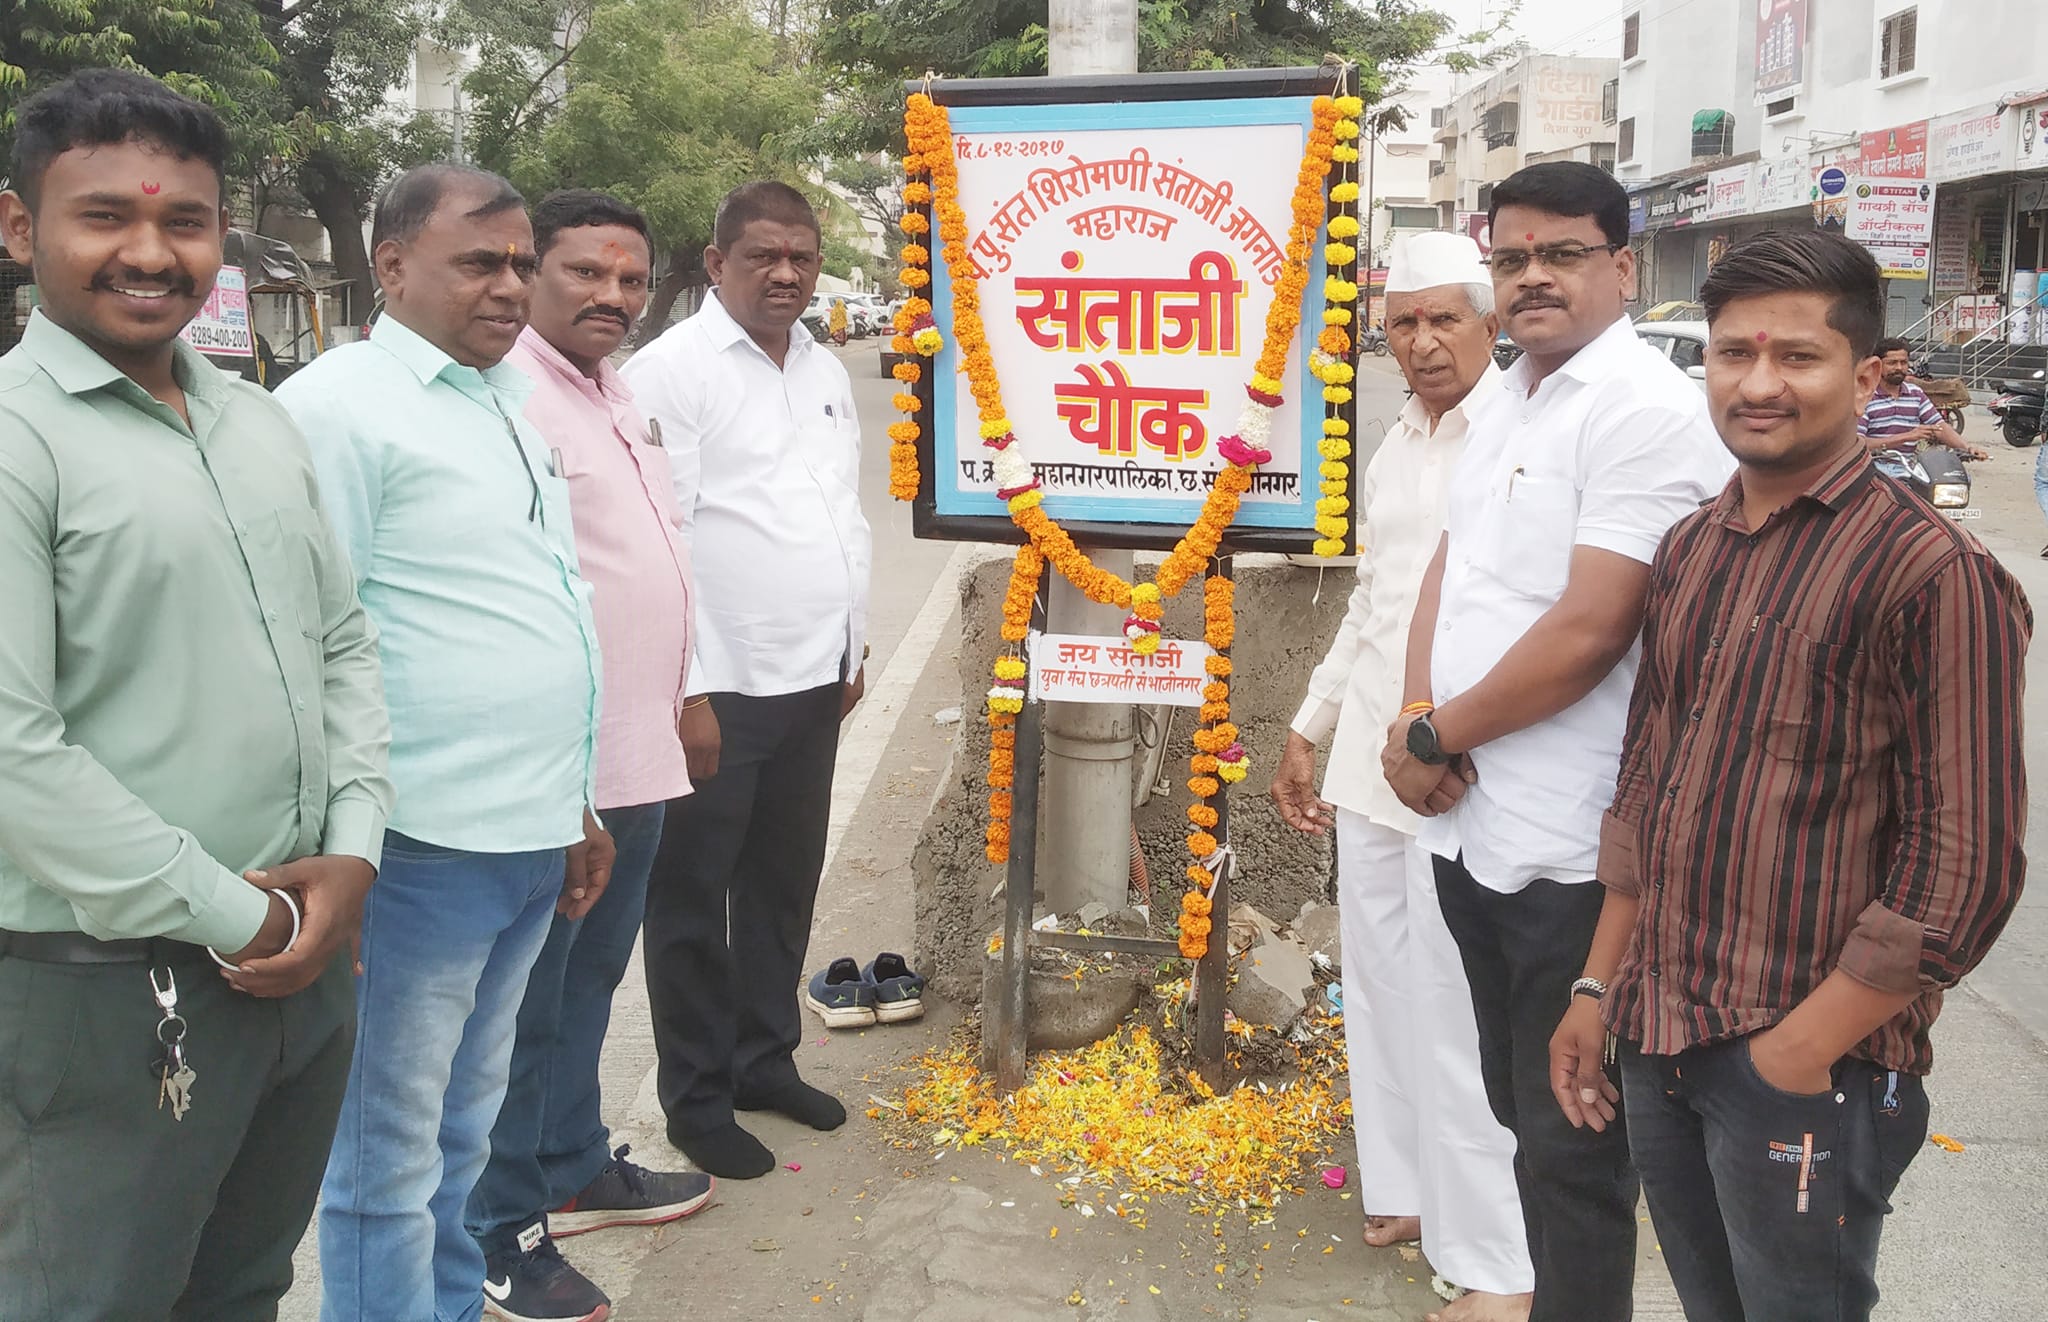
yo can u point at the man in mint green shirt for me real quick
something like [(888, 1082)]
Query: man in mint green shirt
[(458, 525), (190, 716)]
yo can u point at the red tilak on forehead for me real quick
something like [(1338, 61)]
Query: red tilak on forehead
[(1530, 236), (788, 252), (151, 190), (1761, 337)]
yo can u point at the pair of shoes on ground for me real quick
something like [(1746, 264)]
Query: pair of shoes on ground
[(532, 1282), (731, 1153), (845, 995)]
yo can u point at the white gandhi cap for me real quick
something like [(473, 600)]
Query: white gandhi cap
[(1437, 257)]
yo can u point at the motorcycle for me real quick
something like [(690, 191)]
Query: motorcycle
[(2019, 410), (1934, 471), (1374, 342)]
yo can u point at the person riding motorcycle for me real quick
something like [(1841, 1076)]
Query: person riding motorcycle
[(1900, 416)]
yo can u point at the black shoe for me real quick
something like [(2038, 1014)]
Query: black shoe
[(532, 1283), (728, 1152), (800, 1102), (624, 1194)]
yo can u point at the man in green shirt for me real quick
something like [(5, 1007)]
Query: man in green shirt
[(192, 750)]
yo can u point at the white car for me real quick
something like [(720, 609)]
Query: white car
[(1683, 342)]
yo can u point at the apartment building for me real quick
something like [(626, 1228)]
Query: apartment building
[(1537, 108)]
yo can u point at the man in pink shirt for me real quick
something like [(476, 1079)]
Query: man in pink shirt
[(551, 1172)]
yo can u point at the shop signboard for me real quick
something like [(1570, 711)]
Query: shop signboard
[(1127, 252), (1780, 47), (1781, 184), (1899, 152), (2030, 147), (1891, 211), (1676, 204), (1952, 244), (1969, 143), (221, 327), (1727, 193), (1473, 225)]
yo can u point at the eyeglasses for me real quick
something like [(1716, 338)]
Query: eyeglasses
[(1557, 257)]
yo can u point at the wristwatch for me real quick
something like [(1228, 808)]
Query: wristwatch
[(1423, 745)]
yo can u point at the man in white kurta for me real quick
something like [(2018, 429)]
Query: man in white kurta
[(1429, 1148)]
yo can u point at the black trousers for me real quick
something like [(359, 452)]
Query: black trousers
[(1522, 952), (729, 906), (1769, 1204), (111, 1210)]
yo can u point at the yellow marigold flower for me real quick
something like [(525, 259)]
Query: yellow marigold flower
[(1344, 192), (1337, 316), (1331, 526), (1350, 107), (1265, 385), (1345, 129), (1340, 254), (1329, 546), (1336, 427), (994, 427), (1009, 667), (1343, 227), (1337, 394), (1144, 592), (1332, 505), (1024, 501), (1330, 468)]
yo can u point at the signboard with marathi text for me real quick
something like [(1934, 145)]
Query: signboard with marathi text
[(1780, 47), (1895, 220), (1127, 251), (221, 326), (1899, 152), (1071, 667), (1969, 143)]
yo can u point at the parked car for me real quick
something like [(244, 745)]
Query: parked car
[(1683, 342)]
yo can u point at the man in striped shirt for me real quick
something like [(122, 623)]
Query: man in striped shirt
[(1900, 415), (1818, 824)]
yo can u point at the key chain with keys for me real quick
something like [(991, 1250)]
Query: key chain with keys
[(174, 1075)]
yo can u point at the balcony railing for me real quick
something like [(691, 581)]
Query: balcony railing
[(1505, 138), (1436, 168)]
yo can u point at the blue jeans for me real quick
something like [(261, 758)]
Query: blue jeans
[(2041, 479), (448, 938), (550, 1140), (1769, 1204)]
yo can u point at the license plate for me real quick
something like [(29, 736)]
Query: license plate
[(1971, 513)]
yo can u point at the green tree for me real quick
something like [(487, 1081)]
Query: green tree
[(669, 104), (213, 50), (874, 45)]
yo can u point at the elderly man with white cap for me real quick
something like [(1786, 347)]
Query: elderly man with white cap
[(1432, 1158)]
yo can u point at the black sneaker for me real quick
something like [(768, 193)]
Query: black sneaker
[(532, 1283), (624, 1194)]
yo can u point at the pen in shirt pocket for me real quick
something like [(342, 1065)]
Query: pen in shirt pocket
[(1519, 472), (554, 461)]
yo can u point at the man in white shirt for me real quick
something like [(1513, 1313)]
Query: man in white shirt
[(759, 424), (1432, 1159), (1521, 658)]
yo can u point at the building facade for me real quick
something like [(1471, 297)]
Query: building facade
[(1920, 129), (1539, 108)]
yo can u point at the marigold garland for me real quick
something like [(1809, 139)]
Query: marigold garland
[(916, 275), (1219, 758)]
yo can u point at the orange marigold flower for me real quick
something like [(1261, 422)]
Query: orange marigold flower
[(1204, 786)]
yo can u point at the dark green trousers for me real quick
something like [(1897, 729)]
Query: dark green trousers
[(112, 1211)]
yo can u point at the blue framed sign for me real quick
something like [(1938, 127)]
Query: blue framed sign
[(1127, 236)]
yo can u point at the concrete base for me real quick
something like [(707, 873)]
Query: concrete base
[(1286, 618), (1065, 1013)]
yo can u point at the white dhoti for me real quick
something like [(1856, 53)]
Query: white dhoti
[(1428, 1144)]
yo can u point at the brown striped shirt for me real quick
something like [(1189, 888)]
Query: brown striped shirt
[(1823, 766)]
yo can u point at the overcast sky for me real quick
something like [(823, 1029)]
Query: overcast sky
[(1557, 27)]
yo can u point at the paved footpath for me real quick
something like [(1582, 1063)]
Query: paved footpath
[(866, 1231)]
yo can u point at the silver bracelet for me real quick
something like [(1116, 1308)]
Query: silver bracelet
[(290, 904), (1592, 987)]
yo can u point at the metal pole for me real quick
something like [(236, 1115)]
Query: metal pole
[(1012, 1025), (1089, 747), (1212, 970)]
